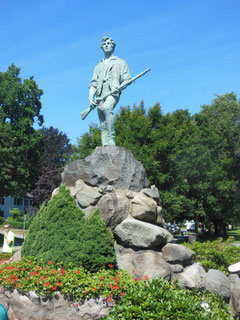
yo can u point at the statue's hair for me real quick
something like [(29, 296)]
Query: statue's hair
[(108, 38)]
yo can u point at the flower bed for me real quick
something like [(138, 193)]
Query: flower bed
[(128, 297), (28, 274)]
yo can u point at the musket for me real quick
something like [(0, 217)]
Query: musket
[(85, 112)]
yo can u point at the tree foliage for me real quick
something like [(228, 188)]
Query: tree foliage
[(56, 152), (20, 143)]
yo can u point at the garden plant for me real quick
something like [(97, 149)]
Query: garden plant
[(60, 233), (216, 254)]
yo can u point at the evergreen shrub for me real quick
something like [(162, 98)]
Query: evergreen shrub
[(60, 233)]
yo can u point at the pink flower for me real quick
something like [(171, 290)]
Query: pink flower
[(146, 278)]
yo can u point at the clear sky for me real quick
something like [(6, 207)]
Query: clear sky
[(192, 47)]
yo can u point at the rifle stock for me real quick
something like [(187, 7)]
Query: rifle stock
[(86, 112)]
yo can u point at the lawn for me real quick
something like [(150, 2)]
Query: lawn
[(235, 233)]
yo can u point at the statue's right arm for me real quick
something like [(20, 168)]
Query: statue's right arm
[(92, 91)]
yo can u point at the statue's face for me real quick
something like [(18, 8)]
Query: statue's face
[(108, 46)]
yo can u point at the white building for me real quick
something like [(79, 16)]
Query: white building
[(8, 203)]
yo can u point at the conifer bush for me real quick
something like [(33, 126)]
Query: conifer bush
[(60, 233)]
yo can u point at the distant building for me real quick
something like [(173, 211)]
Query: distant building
[(8, 203)]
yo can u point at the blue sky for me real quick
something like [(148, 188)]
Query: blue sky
[(192, 47)]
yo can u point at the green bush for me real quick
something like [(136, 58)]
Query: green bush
[(60, 233), (217, 254), (159, 299), (17, 224)]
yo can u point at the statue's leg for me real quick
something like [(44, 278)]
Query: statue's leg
[(103, 127), (108, 107)]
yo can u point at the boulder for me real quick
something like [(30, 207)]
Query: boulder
[(108, 166), (86, 196), (144, 264), (152, 193), (143, 235), (58, 307), (143, 208), (177, 254), (160, 220), (176, 268), (191, 277), (17, 256), (150, 264), (217, 282), (114, 208), (235, 294)]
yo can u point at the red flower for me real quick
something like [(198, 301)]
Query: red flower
[(102, 277), (117, 279), (93, 289), (122, 293), (50, 262), (37, 282), (54, 288), (47, 284), (77, 271), (115, 287), (109, 298), (59, 283), (111, 265), (133, 271), (146, 278), (135, 279)]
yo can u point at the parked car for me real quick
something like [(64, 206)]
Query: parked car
[(190, 226), (173, 228)]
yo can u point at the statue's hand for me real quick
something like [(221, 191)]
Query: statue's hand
[(93, 103), (115, 90)]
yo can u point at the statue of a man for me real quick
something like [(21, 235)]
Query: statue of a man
[(108, 75)]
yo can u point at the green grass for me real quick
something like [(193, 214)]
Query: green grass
[(235, 233)]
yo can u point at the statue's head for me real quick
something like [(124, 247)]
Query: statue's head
[(107, 39)]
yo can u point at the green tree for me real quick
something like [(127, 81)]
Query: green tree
[(20, 146), (56, 152), (87, 143), (208, 163)]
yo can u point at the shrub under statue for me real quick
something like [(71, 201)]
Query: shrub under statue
[(60, 233)]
